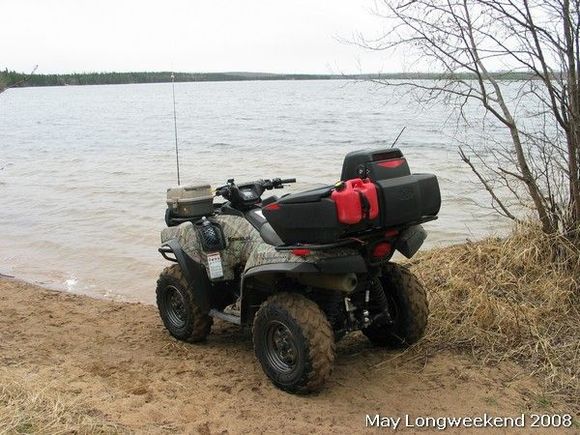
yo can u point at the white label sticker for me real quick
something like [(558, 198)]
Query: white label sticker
[(214, 265)]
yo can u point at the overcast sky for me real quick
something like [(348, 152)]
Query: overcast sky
[(188, 35)]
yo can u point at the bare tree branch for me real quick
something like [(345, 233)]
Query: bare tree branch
[(537, 162)]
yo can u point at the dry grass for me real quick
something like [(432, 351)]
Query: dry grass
[(509, 299), (26, 407)]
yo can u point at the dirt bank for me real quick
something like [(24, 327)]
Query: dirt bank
[(75, 363)]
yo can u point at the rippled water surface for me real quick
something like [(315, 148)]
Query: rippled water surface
[(84, 170)]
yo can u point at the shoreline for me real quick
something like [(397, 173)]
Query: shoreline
[(56, 288), (108, 295)]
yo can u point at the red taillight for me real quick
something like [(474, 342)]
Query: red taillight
[(381, 250), (395, 163), (301, 252), (273, 206), (391, 233)]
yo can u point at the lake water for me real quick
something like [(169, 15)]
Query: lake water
[(84, 170)]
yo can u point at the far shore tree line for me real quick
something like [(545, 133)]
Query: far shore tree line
[(10, 79), (18, 79)]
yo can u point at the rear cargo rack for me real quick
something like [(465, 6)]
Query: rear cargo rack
[(352, 239), (319, 247)]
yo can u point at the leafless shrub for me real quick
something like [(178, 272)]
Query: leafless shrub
[(536, 99)]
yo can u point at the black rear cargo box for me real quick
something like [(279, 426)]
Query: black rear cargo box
[(376, 164), (408, 199), (311, 216)]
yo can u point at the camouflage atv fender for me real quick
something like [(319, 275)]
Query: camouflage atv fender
[(264, 254), (240, 238), (266, 265)]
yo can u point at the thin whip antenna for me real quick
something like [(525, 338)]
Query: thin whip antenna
[(175, 126), (397, 138)]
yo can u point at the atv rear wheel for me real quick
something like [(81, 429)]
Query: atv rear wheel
[(408, 307), (180, 314), (294, 343)]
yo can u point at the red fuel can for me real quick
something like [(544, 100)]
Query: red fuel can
[(349, 201), (348, 205), (369, 190)]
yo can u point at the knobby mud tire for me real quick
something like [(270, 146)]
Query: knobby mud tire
[(312, 334), (195, 325), (408, 306)]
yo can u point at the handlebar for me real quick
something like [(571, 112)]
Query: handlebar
[(246, 195), (277, 183), (274, 183)]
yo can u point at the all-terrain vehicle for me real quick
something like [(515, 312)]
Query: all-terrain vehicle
[(301, 270)]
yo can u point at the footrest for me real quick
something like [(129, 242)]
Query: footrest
[(237, 320)]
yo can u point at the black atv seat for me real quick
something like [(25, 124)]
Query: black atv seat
[(259, 222)]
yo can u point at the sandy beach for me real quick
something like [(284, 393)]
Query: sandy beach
[(73, 363)]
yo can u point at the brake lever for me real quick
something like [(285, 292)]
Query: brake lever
[(267, 184), (278, 183)]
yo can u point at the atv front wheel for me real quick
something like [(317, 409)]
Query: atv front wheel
[(294, 343), (408, 307), (180, 314)]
